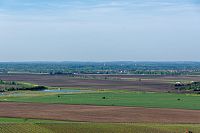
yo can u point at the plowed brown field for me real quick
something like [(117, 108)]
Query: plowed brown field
[(97, 113), (152, 84)]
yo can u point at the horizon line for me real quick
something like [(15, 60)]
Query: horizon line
[(178, 61)]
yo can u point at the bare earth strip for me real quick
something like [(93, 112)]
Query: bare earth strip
[(149, 82), (63, 81), (97, 113)]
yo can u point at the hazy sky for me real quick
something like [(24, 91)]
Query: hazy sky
[(99, 30)]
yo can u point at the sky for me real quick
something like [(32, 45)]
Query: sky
[(99, 30)]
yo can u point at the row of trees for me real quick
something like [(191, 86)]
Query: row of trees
[(15, 86)]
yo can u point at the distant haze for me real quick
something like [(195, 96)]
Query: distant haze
[(99, 30)]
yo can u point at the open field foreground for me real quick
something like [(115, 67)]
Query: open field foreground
[(97, 113), (96, 128)]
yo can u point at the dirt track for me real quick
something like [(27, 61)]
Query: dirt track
[(97, 113)]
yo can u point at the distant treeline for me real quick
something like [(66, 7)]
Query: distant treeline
[(15, 86), (36, 88), (72, 68), (193, 86)]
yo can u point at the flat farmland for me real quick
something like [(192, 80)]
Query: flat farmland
[(125, 82), (110, 98), (97, 127), (97, 113), (110, 104)]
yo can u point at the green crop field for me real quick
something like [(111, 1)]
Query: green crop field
[(119, 128), (13, 125), (115, 98), (95, 127), (25, 120)]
